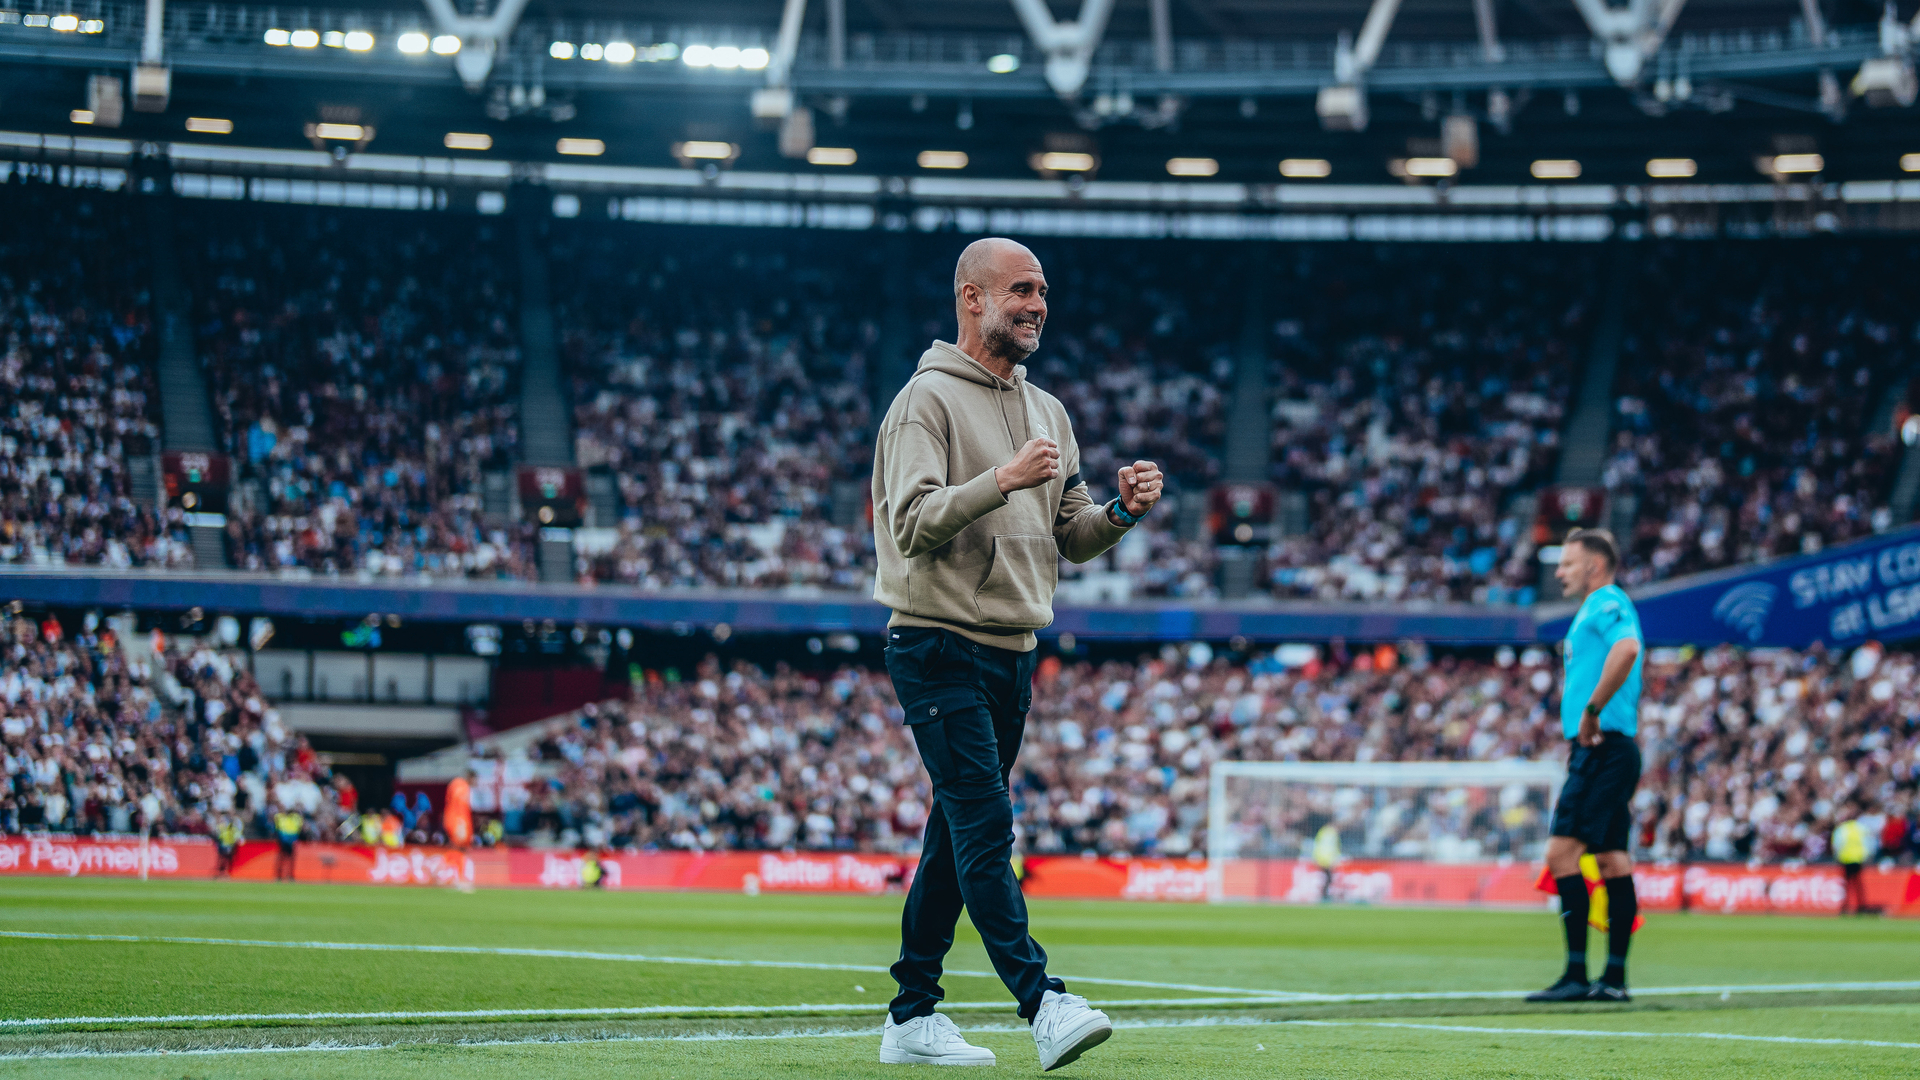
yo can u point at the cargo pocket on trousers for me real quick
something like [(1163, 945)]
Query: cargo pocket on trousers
[(1018, 591), (935, 703), (954, 734)]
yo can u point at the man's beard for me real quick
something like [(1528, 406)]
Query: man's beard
[(998, 333)]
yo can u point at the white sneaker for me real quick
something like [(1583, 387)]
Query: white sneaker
[(929, 1040), (1066, 1027)]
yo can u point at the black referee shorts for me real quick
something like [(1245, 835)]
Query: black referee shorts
[(1596, 805)]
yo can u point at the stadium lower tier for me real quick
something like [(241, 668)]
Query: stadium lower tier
[(1750, 755)]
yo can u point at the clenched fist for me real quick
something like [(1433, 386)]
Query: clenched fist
[(1035, 464), (1140, 486)]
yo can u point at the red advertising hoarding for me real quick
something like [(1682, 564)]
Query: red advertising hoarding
[(107, 856), (724, 871), (1707, 887), (351, 864)]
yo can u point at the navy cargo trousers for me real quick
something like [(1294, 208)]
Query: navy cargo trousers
[(966, 704)]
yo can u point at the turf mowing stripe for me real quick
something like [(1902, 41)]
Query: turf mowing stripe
[(591, 1010), (815, 1033), (576, 954), (331, 1047), (856, 1008), (1245, 997)]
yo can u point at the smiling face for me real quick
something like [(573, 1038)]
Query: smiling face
[(1000, 287)]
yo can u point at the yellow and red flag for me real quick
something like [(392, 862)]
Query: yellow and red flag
[(1596, 893)]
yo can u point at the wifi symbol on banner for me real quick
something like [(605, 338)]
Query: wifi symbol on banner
[(1745, 608)]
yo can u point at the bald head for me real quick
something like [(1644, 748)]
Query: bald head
[(986, 261), (1000, 301)]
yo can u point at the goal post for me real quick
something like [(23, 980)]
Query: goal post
[(1263, 815)]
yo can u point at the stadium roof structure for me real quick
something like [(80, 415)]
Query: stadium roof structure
[(1350, 91)]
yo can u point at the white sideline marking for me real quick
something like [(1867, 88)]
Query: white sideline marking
[(576, 954), (1464, 1029), (815, 1033), (1308, 998)]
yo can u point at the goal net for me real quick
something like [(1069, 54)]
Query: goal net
[(1264, 818)]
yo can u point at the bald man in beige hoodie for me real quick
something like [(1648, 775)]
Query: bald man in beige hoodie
[(977, 494)]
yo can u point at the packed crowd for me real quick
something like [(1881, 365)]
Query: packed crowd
[(1749, 754), (1140, 349), (726, 388), (364, 373), (77, 389), (101, 733), (1418, 391), (722, 382), (1760, 389)]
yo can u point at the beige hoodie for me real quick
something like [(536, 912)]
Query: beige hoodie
[(953, 551)]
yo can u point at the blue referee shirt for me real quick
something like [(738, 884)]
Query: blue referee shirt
[(1606, 616)]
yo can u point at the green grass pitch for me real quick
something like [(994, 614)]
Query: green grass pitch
[(519, 983)]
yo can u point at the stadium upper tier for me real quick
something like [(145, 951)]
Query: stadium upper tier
[(366, 374), (78, 400), (1755, 410), (722, 380), (1748, 754), (1420, 392), (363, 370)]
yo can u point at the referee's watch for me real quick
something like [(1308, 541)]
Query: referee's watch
[(1119, 511)]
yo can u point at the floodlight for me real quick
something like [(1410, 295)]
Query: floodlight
[(707, 151), (1432, 166), (1064, 161)]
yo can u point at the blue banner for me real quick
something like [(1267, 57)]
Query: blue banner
[(1869, 589), (744, 611)]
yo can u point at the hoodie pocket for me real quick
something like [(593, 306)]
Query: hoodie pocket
[(1018, 592)]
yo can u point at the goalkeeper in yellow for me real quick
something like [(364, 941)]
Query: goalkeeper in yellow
[(1599, 712)]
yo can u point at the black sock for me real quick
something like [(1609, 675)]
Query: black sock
[(1623, 905), (1573, 919)]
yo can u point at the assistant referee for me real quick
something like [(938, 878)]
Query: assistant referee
[(1599, 709)]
